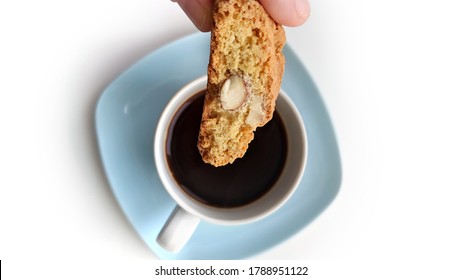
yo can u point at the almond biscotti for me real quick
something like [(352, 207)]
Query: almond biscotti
[(244, 78)]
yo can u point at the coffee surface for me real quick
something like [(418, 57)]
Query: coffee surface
[(233, 185)]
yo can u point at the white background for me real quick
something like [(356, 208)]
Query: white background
[(389, 72)]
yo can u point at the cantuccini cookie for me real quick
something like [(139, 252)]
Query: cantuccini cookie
[(244, 78)]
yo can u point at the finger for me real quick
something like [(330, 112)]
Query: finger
[(287, 12), (199, 12)]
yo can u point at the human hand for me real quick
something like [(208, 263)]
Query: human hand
[(285, 12)]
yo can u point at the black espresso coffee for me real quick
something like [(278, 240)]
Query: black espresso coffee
[(233, 185)]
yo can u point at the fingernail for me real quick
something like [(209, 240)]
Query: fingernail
[(198, 13), (303, 8)]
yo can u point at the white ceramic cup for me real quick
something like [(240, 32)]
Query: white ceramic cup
[(186, 216)]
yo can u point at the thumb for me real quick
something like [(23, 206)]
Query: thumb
[(287, 12)]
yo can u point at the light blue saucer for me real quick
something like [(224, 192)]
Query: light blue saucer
[(126, 117)]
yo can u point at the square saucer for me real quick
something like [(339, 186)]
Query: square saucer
[(126, 117)]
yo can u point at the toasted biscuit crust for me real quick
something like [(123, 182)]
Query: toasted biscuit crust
[(245, 42)]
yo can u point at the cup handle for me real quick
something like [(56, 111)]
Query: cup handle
[(177, 230)]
